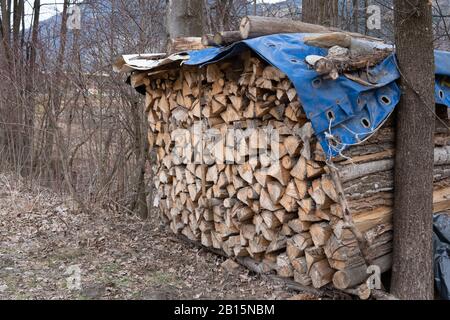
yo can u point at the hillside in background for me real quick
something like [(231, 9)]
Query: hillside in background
[(110, 27)]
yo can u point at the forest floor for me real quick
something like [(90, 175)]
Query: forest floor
[(45, 244)]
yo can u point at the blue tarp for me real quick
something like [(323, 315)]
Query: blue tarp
[(342, 112), (441, 244)]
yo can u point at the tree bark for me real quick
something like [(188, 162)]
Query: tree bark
[(366, 4), (34, 35), (185, 18), (54, 108), (412, 273), (5, 7), (355, 15), (141, 149), (17, 15), (323, 12), (30, 84)]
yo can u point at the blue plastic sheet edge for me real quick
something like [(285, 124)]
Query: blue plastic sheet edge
[(342, 112)]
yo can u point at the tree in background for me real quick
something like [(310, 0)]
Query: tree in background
[(66, 120), (185, 18), (15, 139), (412, 272), (323, 12)]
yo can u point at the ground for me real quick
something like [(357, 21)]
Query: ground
[(45, 243)]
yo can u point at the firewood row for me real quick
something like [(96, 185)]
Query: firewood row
[(239, 169)]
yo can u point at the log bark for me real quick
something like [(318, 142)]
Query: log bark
[(256, 26), (440, 156), (227, 37)]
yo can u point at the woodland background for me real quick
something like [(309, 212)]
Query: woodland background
[(68, 122)]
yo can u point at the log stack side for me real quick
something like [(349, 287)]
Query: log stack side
[(274, 200)]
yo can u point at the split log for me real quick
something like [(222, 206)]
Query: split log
[(351, 277), (289, 203), (278, 172), (275, 191), (299, 170), (320, 233), (299, 226), (266, 201), (300, 265), (284, 267), (321, 273), (277, 244), (302, 278)]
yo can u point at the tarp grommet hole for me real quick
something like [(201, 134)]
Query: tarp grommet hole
[(330, 115), (441, 94), (365, 123), (317, 82), (385, 100)]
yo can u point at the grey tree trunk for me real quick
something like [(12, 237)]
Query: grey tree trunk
[(323, 12), (412, 273), (184, 18), (355, 15), (366, 4)]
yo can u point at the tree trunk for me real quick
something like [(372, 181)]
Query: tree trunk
[(308, 8), (412, 273), (141, 150), (223, 10), (30, 85), (185, 18), (17, 15), (355, 15), (323, 12), (366, 16), (5, 7), (34, 36), (54, 108)]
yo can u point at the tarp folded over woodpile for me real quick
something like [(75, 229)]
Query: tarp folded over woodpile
[(343, 112)]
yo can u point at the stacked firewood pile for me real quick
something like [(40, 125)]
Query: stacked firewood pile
[(239, 169)]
